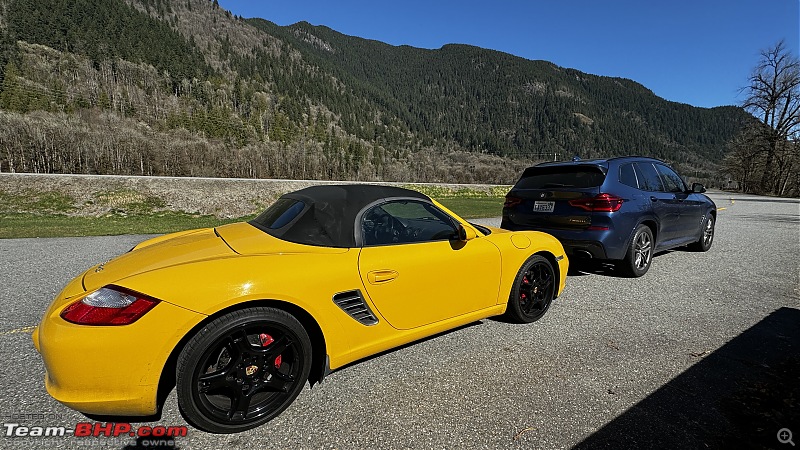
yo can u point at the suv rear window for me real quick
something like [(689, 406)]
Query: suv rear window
[(561, 177)]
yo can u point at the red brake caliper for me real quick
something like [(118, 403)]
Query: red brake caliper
[(524, 280), (265, 341)]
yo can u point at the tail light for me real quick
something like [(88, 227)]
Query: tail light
[(599, 203), (511, 201), (108, 306)]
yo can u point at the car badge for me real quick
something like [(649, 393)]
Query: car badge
[(542, 195), (250, 370), (99, 268)]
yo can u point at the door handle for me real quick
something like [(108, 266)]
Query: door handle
[(653, 199), (381, 276)]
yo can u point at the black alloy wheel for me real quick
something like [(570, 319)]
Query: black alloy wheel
[(533, 291), (242, 370)]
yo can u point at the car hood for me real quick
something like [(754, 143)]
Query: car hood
[(193, 246)]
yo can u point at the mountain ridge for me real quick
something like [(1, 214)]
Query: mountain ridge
[(317, 97)]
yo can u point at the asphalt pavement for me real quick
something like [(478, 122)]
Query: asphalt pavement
[(701, 352)]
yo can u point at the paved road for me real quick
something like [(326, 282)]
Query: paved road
[(691, 355)]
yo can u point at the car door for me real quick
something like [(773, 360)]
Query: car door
[(664, 205), (689, 205), (413, 270)]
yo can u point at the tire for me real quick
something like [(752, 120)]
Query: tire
[(639, 256), (533, 291), (707, 238), (242, 369)]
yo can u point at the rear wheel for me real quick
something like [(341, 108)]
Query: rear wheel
[(640, 253), (533, 291), (242, 370), (707, 238)]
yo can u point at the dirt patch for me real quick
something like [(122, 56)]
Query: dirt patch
[(98, 195)]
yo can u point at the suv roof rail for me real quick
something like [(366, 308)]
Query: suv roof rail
[(598, 160)]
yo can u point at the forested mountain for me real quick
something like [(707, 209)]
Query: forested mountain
[(186, 88)]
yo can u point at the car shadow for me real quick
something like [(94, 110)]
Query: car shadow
[(579, 267), (503, 319), (739, 396)]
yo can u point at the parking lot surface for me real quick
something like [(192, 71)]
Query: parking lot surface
[(701, 352)]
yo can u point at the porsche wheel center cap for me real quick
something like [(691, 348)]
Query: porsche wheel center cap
[(250, 370)]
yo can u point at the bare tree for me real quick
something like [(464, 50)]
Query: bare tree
[(745, 157), (773, 96)]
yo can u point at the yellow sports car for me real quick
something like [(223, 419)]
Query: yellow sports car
[(239, 317)]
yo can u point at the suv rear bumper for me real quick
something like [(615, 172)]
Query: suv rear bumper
[(573, 245), (584, 249)]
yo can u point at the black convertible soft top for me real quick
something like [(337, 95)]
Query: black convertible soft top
[(325, 215)]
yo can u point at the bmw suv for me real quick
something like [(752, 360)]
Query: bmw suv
[(622, 209)]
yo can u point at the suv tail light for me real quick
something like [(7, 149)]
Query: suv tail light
[(599, 203), (108, 306), (511, 201)]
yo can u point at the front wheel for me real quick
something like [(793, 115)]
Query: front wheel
[(640, 253), (533, 291), (242, 370)]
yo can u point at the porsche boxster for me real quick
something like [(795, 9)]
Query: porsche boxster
[(238, 318)]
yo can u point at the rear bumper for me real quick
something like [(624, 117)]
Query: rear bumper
[(584, 249), (109, 370), (598, 244), (563, 269)]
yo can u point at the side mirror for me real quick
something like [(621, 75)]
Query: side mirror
[(698, 188), (466, 234)]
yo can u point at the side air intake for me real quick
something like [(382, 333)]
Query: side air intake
[(352, 302)]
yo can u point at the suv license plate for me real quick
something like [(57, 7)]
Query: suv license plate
[(543, 206)]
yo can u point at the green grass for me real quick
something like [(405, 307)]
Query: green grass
[(440, 192), (37, 202), (27, 225), (32, 225), (474, 208)]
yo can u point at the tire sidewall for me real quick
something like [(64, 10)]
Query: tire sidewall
[(514, 308), (199, 344), (630, 257), (703, 247)]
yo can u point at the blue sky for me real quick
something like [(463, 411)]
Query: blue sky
[(698, 52)]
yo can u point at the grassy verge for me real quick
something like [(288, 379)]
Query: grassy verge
[(474, 208), (27, 225), (33, 225)]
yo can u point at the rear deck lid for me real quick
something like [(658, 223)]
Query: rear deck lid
[(541, 198), (181, 249)]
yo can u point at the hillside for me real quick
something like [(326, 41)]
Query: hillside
[(157, 87)]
